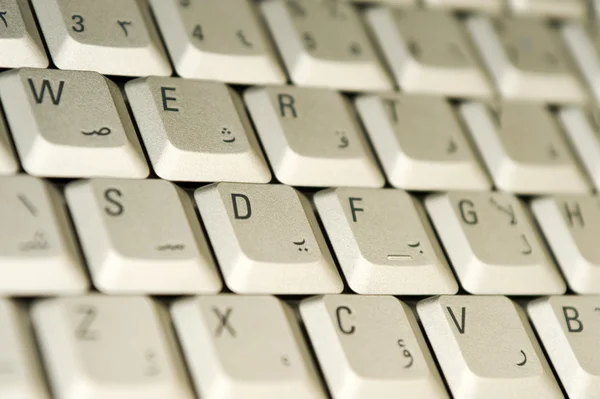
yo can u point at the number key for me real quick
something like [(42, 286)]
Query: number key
[(20, 42)]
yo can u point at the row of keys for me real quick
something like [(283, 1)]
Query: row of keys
[(321, 43), (143, 237), (199, 131), (365, 346)]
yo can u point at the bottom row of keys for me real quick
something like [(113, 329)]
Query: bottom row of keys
[(252, 347)]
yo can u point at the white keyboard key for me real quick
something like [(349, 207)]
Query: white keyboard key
[(20, 42), (217, 40), (8, 160), (487, 6), (266, 239), (420, 143), (370, 347), (425, 60), (492, 244), (524, 148), (245, 347), (196, 131), (109, 347), (308, 131), (112, 37), (584, 46), (571, 225), (486, 348), (141, 236), (21, 376), (583, 129), (525, 59), (384, 242), (324, 44), (569, 329), (390, 2), (70, 124), (549, 8), (38, 254)]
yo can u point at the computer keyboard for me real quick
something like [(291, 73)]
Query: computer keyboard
[(300, 199)]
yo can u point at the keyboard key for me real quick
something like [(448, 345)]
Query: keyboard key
[(56, 133), (8, 161), (583, 130), (525, 59), (108, 347), (569, 329), (492, 244), (20, 42), (584, 48), (38, 254), (308, 131), (420, 143), (424, 60), (370, 347), (524, 148), (20, 372), (549, 8), (196, 131), (384, 242), (244, 347), (217, 40), (141, 237), (324, 44), (571, 225), (487, 6), (112, 37), (486, 348), (266, 239)]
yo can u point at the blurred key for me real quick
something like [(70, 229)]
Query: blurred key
[(217, 40), (486, 6), (38, 253), (312, 137), (70, 124), (324, 44), (584, 47), (112, 37), (549, 8), (141, 237), (20, 42), (370, 347), (8, 160)]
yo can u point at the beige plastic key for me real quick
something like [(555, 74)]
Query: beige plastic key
[(486, 348), (582, 127), (70, 124), (266, 239), (324, 44), (569, 329), (97, 347), (485, 6), (384, 242), (526, 60), (424, 60), (571, 225), (584, 47), (217, 40), (141, 237), (245, 347), (390, 2), (574, 9), (370, 347), (524, 148), (8, 160), (196, 131), (421, 143), (112, 37), (38, 254), (312, 137), (20, 42), (493, 245), (21, 375)]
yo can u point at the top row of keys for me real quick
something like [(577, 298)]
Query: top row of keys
[(321, 43)]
